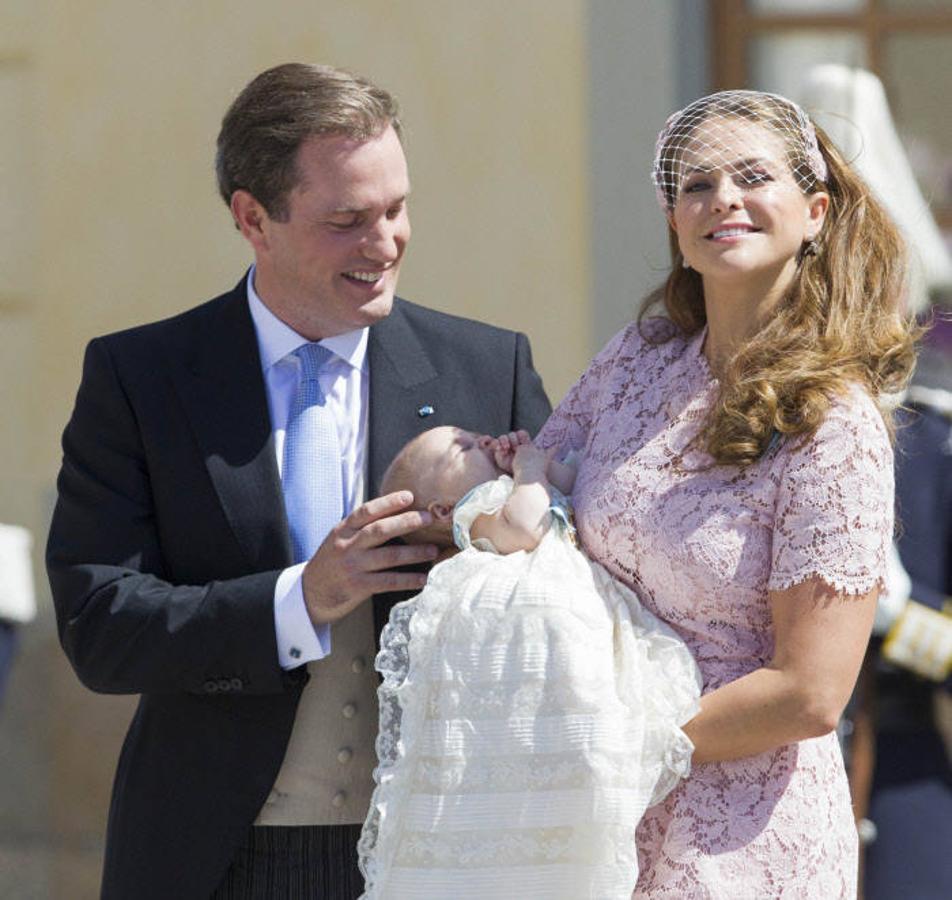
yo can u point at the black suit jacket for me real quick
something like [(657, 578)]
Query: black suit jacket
[(168, 538)]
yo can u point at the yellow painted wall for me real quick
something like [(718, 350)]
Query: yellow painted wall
[(111, 218)]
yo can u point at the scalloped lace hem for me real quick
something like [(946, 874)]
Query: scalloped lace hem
[(845, 584)]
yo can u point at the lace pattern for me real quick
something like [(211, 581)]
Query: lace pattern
[(703, 546), (530, 711)]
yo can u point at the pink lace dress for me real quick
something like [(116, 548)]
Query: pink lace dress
[(702, 548)]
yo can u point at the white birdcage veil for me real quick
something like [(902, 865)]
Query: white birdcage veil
[(709, 134)]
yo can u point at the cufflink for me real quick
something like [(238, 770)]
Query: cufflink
[(294, 653), (425, 410)]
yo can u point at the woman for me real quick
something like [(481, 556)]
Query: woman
[(737, 472)]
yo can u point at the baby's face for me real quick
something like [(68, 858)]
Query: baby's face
[(460, 460)]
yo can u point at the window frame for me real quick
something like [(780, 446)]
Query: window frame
[(734, 25)]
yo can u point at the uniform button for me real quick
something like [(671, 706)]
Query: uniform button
[(349, 710), (345, 755), (210, 687), (358, 664), (338, 800)]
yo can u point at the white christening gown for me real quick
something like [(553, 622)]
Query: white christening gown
[(530, 712)]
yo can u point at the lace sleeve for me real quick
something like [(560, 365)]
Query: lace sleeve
[(568, 427), (834, 515)]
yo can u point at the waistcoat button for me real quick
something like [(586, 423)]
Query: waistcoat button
[(349, 710), (345, 755)]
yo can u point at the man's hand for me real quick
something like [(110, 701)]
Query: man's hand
[(353, 564), (504, 448)]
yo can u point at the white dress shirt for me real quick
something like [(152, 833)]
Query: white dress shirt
[(345, 383)]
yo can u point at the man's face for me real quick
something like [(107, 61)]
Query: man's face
[(332, 266)]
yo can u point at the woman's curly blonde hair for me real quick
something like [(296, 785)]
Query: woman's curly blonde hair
[(840, 323)]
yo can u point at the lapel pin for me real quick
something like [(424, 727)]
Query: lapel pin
[(425, 410)]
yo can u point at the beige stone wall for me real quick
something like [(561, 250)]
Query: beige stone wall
[(110, 218)]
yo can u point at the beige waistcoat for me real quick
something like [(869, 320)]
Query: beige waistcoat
[(325, 778)]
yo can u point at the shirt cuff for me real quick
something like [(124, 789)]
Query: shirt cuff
[(299, 641)]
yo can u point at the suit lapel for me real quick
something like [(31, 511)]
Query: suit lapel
[(403, 380), (222, 389), (218, 376)]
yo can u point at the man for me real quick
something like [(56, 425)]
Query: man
[(182, 555)]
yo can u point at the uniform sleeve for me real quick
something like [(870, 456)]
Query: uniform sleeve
[(834, 515), (924, 502)]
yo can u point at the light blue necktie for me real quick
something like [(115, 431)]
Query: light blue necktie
[(311, 479)]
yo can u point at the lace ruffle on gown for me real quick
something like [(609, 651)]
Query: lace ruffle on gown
[(529, 713), (703, 546)]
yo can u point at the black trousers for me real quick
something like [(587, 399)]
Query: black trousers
[(308, 862)]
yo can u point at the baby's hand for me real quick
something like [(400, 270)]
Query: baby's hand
[(504, 448), (530, 463)]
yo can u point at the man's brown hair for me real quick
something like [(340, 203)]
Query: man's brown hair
[(277, 112)]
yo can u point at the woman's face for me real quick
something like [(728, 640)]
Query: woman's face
[(739, 213)]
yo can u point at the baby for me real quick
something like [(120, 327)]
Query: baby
[(442, 465), (530, 709)]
